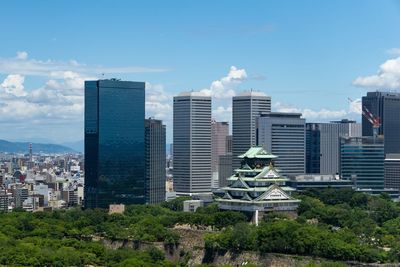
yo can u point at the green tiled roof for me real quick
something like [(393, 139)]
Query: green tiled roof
[(257, 152), (254, 187)]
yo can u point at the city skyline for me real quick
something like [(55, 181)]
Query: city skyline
[(277, 48)]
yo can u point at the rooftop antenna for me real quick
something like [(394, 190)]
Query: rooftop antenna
[(30, 152)]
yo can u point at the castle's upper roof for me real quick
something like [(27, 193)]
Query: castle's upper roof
[(257, 152)]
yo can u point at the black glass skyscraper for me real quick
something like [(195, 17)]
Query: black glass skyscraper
[(114, 143), (313, 148), (385, 105)]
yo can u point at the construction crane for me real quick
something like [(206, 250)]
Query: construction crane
[(374, 120)]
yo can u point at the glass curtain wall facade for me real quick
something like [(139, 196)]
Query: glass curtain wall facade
[(362, 160), (114, 143), (313, 150)]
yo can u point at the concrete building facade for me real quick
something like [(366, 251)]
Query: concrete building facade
[(392, 171), (283, 134), (192, 143), (225, 169), (219, 134), (155, 154), (246, 108), (322, 144)]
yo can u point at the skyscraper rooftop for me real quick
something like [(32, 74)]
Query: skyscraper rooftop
[(252, 93), (192, 93)]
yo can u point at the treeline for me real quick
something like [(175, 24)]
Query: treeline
[(333, 224), (64, 237), (37, 251)]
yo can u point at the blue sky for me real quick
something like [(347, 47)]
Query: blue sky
[(309, 56)]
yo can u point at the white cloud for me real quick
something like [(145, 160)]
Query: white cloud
[(23, 111), (56, 69), (355, 106), (57, 107), (158, 110), (22, 55), (394, 51), (388, 76), (70, 81), (158, 103), (322, 114), (224, 87), (14, 84), (49, 104), (222, 114), (156, 93)]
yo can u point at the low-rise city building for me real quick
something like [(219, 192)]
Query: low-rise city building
[(319, 181), (192, 205)]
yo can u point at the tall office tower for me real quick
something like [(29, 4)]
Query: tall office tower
[(322, 144), (219, 132), (246, 108), (283, 134), (362, 160), (392, 171), (225, 163), (155, 154), (228, 144), (313, 148), (114, 143), (386, 106), (225, 169), (192, 143)]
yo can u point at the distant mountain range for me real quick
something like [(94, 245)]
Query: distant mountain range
[(23, 147), (77, 146)]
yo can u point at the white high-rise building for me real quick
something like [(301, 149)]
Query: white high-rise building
[(283, 134), (192, 143), (246, 108)]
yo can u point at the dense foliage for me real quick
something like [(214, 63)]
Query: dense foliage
[(334, 224), (64, 238)]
